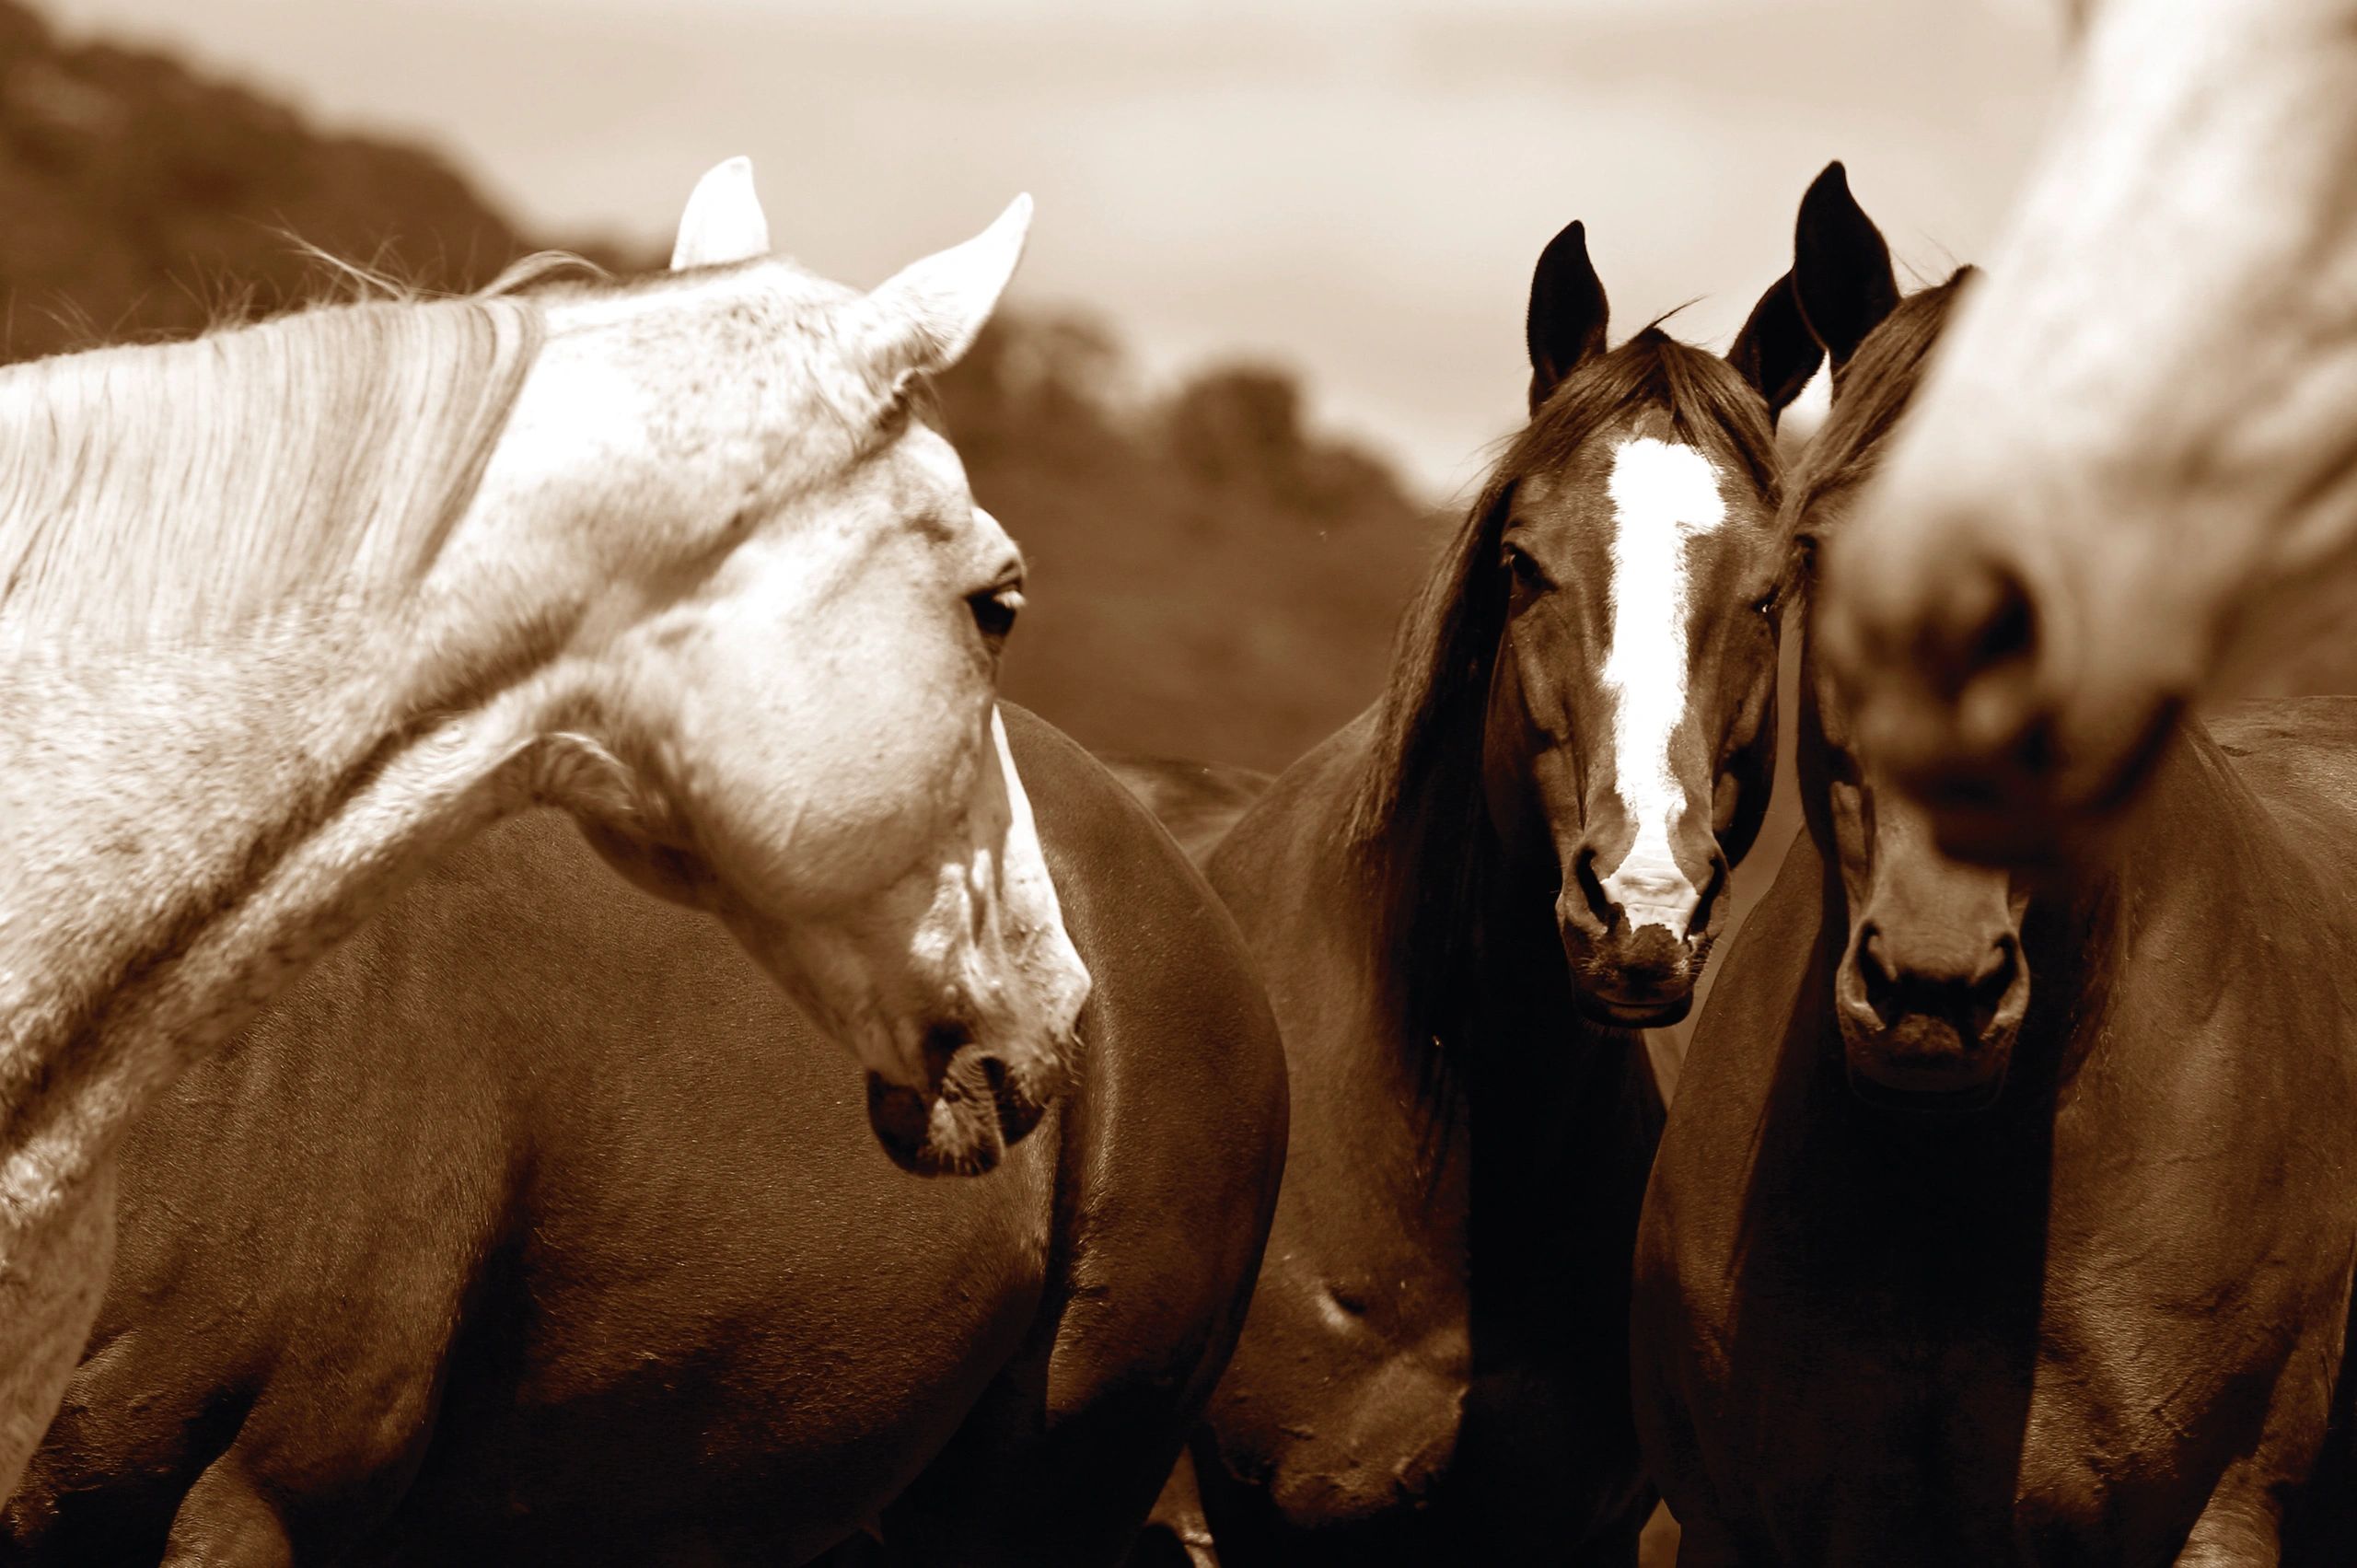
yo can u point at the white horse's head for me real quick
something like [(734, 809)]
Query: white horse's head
[(2127, 477), (785, 661)]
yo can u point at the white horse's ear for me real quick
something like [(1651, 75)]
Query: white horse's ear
[(926, 316), (724, 221)]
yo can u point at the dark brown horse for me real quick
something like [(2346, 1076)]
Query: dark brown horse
[(535, 1228), (2000, 1223), (1465, 904), (1198, 802)]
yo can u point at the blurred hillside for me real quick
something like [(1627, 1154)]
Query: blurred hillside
[(1209, 577)]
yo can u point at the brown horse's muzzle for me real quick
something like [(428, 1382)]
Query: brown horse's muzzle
[(1634, 966), (977, 1103), (1929, 1023)]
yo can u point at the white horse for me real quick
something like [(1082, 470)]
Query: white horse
[(287, 609), (2132, 477)]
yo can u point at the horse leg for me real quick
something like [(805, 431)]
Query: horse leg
[(224, 1522), (1176, 1532), (2237, 1545), (1633, 1542), (1702, 1543), (1657, 1542)]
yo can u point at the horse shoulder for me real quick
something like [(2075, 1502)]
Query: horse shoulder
[(302, 1214), (1185, 1084), (2299, 756), (1171, 1150)]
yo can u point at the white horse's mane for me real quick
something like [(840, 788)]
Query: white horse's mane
[(167, 490), (171, 492)]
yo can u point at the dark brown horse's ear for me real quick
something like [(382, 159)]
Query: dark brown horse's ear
[(1776, 352), (1841, 274), (1567, 316)]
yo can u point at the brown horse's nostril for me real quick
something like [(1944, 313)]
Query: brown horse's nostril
[(1600, 906), (1952, 991), (1700, 922), (1989, 988), (1875, 973)]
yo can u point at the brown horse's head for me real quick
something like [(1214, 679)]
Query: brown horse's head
[(1931, 985), (1599, 654)]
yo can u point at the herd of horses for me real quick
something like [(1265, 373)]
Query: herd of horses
[(382, 1180)]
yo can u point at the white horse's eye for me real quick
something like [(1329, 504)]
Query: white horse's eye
[(995, 609)]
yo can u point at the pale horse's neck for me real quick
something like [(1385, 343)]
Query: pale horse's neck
[(180, 834)]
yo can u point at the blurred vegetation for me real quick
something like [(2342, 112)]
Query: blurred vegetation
[(1209, 576)]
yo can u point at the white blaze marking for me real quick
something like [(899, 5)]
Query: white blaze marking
[(1662, 495)]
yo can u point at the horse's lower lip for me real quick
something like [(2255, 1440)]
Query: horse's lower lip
[(1657, 1012), (2128, 770), (1926, 1092)]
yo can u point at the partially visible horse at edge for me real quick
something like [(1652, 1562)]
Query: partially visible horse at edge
[(2009, 1221), (1466, 903), (2131, 482), (287, 610)]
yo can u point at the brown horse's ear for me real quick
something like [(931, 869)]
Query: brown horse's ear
[(1776, 352), (1841, 274), (1565, 325)]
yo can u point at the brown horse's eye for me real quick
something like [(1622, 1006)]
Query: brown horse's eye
[(1526, 571), (994, 611)]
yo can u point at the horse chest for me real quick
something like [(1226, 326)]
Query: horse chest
[(2065, 1370), (1440, 1328)]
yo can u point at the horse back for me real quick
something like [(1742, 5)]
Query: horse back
[(1197, 803)]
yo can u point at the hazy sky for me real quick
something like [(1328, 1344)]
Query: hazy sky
[(1356, 187)]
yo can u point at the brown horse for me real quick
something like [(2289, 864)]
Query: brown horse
[(1466, 903), (536, 1228), (1197, 802), (1939, 1265)]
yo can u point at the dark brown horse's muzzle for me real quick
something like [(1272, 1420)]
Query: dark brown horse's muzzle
[(1931, 1035)]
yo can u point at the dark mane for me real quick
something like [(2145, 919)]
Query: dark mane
[(1875, 390), (1415, 817)]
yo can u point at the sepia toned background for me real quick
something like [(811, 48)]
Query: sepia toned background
[(1270, 318)]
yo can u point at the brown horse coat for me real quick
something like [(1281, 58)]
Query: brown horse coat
[(2103, 1321), (1434, 1369), (1197, 802), (2102, 1317), (537, 1229)]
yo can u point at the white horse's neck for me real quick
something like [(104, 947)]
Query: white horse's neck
[(181, 835)]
